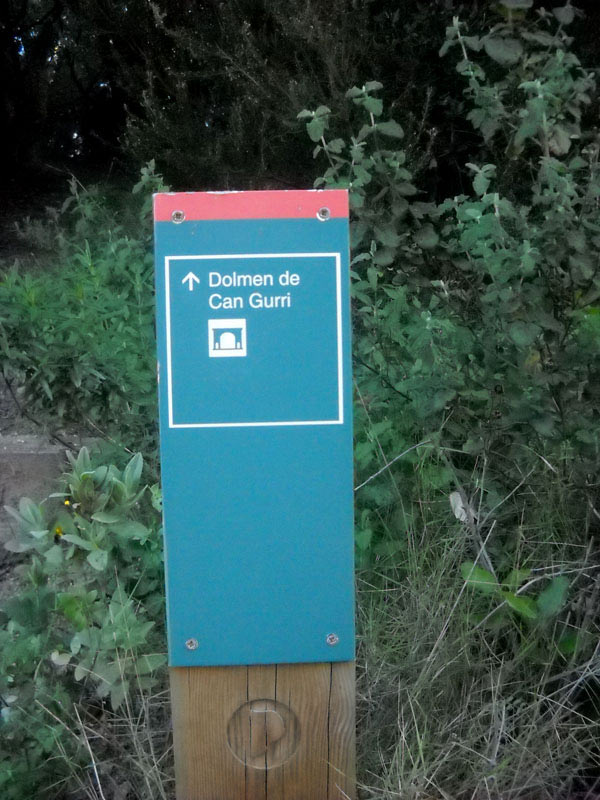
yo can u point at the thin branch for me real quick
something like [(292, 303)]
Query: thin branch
[(89, 749), (389, 464)]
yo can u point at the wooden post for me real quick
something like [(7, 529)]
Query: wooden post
[(277, 732)]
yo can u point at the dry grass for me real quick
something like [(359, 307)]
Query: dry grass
[(454, 706)]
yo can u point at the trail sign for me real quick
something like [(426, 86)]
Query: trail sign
[(254, 358), (256, 450)]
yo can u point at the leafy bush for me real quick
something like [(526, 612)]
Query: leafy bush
[(477, 367), (476, 319), (77, 336), (84, 640)]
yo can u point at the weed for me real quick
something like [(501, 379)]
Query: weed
[(82, 646), (77, 337), (460, 696)]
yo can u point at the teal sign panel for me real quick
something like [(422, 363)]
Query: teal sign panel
[(253, 328)]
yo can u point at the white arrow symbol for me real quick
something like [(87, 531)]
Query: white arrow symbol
[(191, 279)]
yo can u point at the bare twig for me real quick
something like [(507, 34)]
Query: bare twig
[(389, 463), (89, 749)]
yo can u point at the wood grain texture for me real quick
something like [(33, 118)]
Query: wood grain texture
[(277, 732)]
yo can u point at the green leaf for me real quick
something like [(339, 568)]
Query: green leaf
[(524, 606), (374, 105), (473, 445), (366, 130), (29, 512), (98, 559), (445, 47), (54, 556), (531, 124), (560, 141), (46, 387), (363, 176), (354, 92), (72, 607), (426, 237), (552, 600), (118, 491), (133, 472), (472, 42), (156, 497), (406, 189), (390, 128), (39, 534), (568, 643), (516, 4), (133, 530), (515, 578), (523, 334), (106, 517), (335, 146), (363, 539), (150, 663), (82, 463), (316, 128), (479, 578), (481, 183), (544, 425), (577, 240), (503, 50), (73, 538), (387, 236), (564, 14), (60, 659), (384, 257), (118, 693)]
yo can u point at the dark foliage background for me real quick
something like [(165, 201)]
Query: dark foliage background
[(211, 89)]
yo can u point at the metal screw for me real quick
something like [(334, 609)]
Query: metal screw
[(323, 214), (332, 639), (177, 217), (192, 644)]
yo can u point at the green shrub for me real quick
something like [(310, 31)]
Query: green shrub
[(77, 335), (477, 369), (476, 319), (84, 639)]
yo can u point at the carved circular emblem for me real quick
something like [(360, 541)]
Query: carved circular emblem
[(263, 734)]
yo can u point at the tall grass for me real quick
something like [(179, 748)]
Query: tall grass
[(457, 700)]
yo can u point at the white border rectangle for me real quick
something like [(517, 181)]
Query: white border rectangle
[(340, 371)]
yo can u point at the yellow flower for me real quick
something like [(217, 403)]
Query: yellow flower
[(67, 502), (58, 531)]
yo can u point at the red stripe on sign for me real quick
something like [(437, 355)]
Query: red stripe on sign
[(180, 206)]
